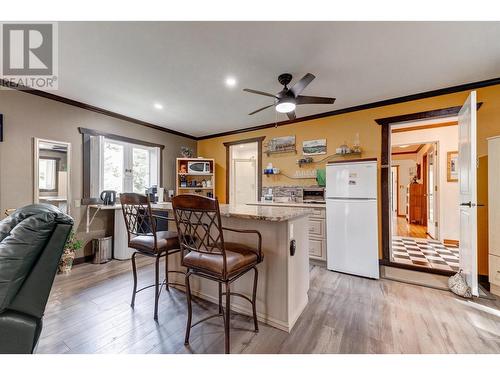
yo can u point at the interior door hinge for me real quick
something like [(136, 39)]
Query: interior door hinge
[(436, 224)]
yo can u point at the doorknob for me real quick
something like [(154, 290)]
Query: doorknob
[(470, 204)]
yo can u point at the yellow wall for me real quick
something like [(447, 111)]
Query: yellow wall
[(340, 128)]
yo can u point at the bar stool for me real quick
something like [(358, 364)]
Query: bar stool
[(142, 236), (205, 254)]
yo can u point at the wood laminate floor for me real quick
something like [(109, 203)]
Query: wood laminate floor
[(89, 312), (400, 227)]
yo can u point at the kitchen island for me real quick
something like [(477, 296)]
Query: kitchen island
[(283, 275)]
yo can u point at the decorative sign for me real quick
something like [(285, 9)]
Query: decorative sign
[(314, 147), (281, 144)]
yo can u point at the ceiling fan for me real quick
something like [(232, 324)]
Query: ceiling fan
[(287, 99)]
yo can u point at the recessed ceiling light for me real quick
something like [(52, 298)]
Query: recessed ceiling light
[(230, 81), (158, 106), (403, 146)]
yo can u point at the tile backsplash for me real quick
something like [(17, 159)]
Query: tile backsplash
[(286, 191)]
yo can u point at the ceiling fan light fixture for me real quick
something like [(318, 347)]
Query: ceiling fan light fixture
[(285, 107)]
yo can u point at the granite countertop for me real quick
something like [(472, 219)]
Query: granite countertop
[(269, 213), (243, 211), (289, 204)]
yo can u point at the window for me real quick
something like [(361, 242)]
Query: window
[(128, 167), (115, 162)]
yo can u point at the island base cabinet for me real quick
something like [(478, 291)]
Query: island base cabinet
[(283, 275)]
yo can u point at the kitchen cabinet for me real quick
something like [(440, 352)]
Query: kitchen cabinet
[(317, 234), (317, 226), (494, 214)]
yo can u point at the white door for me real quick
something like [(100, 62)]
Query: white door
[(245, 179), (467, 165), (431, 192)]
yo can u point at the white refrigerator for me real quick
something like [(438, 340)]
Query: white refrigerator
[(351, 217)]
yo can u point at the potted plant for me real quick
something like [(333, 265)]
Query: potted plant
[(72, 245)]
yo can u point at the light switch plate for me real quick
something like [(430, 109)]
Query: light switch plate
[(77, 203)]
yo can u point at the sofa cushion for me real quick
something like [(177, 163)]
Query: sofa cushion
[(23, 236)]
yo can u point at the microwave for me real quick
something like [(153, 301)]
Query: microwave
[(198, 167)]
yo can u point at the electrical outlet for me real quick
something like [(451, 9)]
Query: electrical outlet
[(77, 203)]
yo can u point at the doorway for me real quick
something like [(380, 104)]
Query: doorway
[(243, 173), (455, 172), (243, 177), (415, 236), (427, 217)]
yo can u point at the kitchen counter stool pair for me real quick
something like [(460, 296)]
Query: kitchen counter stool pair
[(204, 253)]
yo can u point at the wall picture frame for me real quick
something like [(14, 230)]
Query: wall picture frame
[(314, 147), (452, 166), (281, 144)]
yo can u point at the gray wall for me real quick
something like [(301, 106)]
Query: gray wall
[(27, 116)]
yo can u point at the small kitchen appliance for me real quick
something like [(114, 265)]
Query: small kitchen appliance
[(198, 167), (108, 197)]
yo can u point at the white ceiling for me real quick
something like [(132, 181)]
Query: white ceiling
[(125, 67)]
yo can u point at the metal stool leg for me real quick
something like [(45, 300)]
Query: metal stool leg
[(228, 318), (190, 311), (157, 285), (254, 299), (220, 298), (134, 272), (166, 271)]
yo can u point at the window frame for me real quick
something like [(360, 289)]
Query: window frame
[(128, 160), (86, 136)]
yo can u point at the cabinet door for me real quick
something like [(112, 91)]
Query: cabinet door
[(316, 248), (494, 269), (318, 213), (316, 227)]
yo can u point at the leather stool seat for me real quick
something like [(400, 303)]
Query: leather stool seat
[(165, 240), (238, 257)]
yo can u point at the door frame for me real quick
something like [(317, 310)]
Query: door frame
[(425, 182), (397, 189), (228, 145), (436, 193), (385, 159)]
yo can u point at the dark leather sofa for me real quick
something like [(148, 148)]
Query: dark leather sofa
[(32, 240)]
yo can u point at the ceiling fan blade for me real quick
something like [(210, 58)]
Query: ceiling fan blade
[(291, 115), (261, 109), (314, 100), (260, 93), (302, 84)]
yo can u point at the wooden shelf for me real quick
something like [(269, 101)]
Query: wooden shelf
[(284, 151), (195, 174), (349, 154), (181, 164), (195, 188)]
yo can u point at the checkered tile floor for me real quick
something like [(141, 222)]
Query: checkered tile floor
[(425, 253)]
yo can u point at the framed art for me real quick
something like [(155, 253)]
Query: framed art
[(314, 147), (452, 166)]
